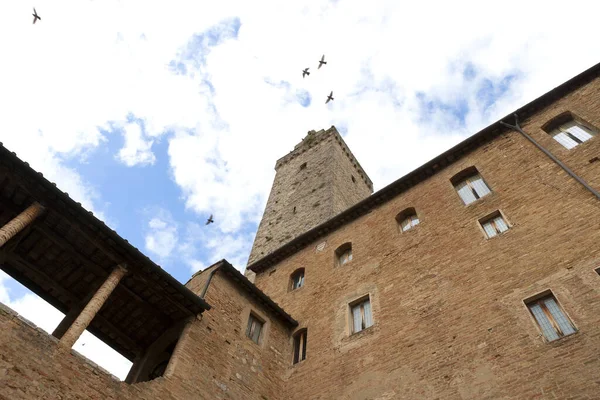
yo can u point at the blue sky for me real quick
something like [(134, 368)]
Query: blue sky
[(155, 115)]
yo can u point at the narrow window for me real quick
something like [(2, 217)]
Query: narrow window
[(344, 254), (550, 317), (255, 327), (300, 346), (297, 279), (470, 185), (407, 219), (494, 224), (353, 179), (302, 166), (569, 131), (360, 314)]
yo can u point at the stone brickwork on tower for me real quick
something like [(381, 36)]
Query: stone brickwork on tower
[(317, 180)]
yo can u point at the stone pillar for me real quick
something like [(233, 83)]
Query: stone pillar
[(19, 223), (92, 308)]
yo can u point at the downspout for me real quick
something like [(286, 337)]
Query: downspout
[(517, 127), (210, 275)]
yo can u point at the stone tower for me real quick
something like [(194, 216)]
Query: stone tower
[(317, 180)]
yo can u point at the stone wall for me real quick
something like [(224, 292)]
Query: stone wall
[(312, 184), (448, 303)]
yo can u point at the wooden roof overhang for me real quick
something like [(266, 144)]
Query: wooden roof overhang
[(67, 253)]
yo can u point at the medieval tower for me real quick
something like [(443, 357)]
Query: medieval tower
[(316, 181)]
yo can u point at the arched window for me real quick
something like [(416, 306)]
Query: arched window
[(569, 130), (300, 345), (407, 219), (343, 254), (297, 279), (469, 185)]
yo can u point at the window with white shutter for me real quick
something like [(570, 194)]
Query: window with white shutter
[(470, 186), (569, 130), (550, 318), (360, 314), (494, 224)]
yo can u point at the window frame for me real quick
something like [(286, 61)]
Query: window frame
[(253, 317), (404, 215), (293, 275), (465, 176), (551, 318), (492, 217), (341, 251), (557, 126), (299, 344), (363, 313)]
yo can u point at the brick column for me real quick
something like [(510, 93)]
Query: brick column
[(19, 223), (92, 308)]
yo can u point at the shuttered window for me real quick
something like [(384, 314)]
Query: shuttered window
[(300, 346), (254, 329), (343, 254), (361, 315), (297, 279), (409, 222), (572, 134), (494, 225), (549, 316), (472, 188)]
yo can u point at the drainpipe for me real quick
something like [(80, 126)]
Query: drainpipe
[(210, 275), (517, 127)]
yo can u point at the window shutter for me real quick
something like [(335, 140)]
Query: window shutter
[(368, 316), (500, 224), (579, 132), (489, 229), (543, 322), (357, 323), (465, 193), (565, 140), (559, 317), (479, 186)]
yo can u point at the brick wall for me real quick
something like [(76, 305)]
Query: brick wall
[(448, 310)]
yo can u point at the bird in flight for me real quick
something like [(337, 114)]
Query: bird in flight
[(35, 16), (322, 62), (330, 97), (210, 220), (305, 72)]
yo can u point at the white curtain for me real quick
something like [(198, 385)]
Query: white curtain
[(489, 229), (543, 322), (465, 193), (368, 316), (479, 185), (356, 318), (565, 140), (559, 317), (579, 132), (500, 224)]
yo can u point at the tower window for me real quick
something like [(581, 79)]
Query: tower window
[(360, 314), (255, 328), (407, 219), (550, 317), (344, 254), (302, 166), (353, 179), (297, 279), (470, 186), (300, 346), (494, 224), (568, 131)]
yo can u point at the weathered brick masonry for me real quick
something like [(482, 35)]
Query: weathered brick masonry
[(449, 317), (448, 310)]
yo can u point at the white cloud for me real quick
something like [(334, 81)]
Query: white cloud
[(161, 238), (137, 150)]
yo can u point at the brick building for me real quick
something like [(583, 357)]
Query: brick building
[(475, 276)]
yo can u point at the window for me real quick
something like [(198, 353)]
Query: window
[(302, 166), (494, 224), (297, 279), (568, 131), (344, 253), (550, 318), (300, 346), (254, 329), (353, 179), (360, 314), (407, 219), (470, 186)]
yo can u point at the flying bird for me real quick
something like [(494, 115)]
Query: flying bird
[(305, 72), (209, 220), (322, 62), (330, 97), (35, 16)]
